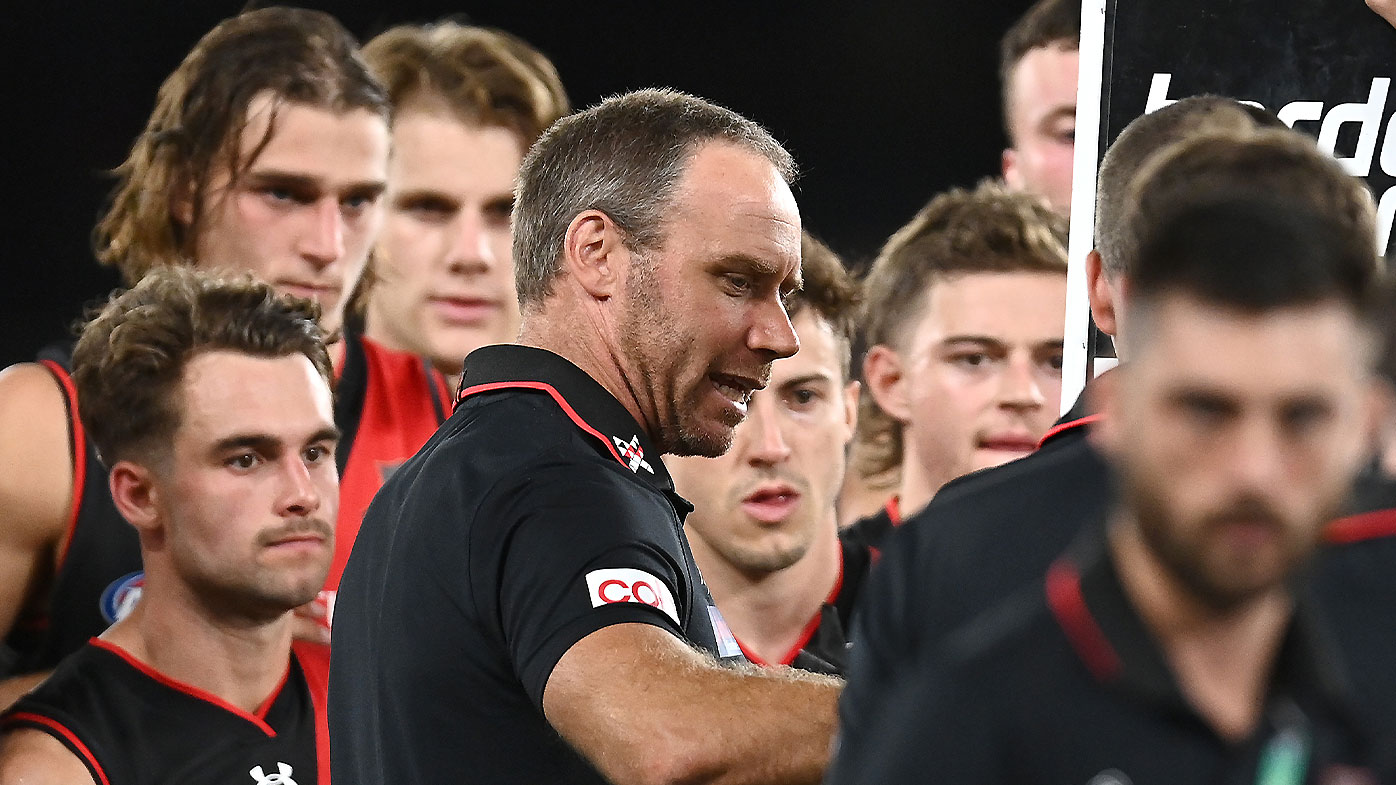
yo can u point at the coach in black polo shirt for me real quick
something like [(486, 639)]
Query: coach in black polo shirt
[(1183, 647), (521, 605)]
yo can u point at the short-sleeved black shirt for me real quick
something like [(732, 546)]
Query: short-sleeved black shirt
[(1065, 684), (538, 514)]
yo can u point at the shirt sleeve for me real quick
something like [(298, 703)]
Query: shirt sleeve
[(587, 549)]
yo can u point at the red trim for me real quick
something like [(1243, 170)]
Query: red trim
[(192, 691), (557, 396), (1067, 426), (807, 633), (72, 738), (1068, 604), (894, 510), (1360, 527), (79, 449)]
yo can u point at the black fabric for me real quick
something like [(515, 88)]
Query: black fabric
[(1018, 696), (983, 537), (350, 390), (141, 730), (103, 553), (870, 531), (472, 573), (826, 651)]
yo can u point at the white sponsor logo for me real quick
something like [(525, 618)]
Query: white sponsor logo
[(631, 454), (281, 777), (1367, 115), (630, 585)]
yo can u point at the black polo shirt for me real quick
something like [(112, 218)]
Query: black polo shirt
[(1064, 685), (538, 513), (982, 538)]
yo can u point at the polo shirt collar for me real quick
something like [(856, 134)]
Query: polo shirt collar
[(592, 408), (1105, 630)]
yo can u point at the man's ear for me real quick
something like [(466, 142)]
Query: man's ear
[(1102, 297), (182, 202), (135, 492), (886, 379), (1012, 176), (594, 254)]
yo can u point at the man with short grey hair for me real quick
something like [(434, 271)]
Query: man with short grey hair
[(521, 605)]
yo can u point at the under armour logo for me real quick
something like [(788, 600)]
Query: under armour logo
[(281, 777), (631, 454)]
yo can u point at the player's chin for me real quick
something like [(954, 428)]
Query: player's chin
[(704, 437)]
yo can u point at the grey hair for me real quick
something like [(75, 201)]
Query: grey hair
[(623, 157)]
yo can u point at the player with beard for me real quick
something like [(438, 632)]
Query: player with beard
[(266, 153), (210, 401), (763, 528), (963, 320), (1182, 646), (524, 579)]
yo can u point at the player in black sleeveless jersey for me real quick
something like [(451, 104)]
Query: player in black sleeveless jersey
[(210, 402), (298, 210), (763, 527)]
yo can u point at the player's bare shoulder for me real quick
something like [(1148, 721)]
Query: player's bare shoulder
[(36, 469), (32, 757)]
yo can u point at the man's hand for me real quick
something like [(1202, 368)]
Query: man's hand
[(1386, 9)]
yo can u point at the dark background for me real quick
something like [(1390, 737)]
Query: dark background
[(882, 103)]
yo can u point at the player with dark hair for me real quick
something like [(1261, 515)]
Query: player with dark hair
[(1182, 646), (266, 152), (764, 527), (1038, 61), (210, 402), (524, 579)]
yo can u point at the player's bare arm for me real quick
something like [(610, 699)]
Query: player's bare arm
[(36, 479), (31, 757), (1386, 8), (646, 709)]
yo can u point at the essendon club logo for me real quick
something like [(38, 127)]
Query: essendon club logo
[(625, 584), (631, 454)]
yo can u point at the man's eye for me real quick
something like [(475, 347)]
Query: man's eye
[(316, 453), (737, 283), (244, 461), (971, 359)]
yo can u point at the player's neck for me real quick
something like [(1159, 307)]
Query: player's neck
[(770, 611), (240, 662), (1223, 660), (919, 484)]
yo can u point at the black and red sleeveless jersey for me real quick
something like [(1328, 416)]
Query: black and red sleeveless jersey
[(99, 559), (131, 724), (824, 643)]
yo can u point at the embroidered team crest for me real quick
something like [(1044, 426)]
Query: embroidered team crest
[(281, 777), (631, 453), (120, 597)]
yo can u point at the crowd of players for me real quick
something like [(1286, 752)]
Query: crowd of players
[(590, 464)]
